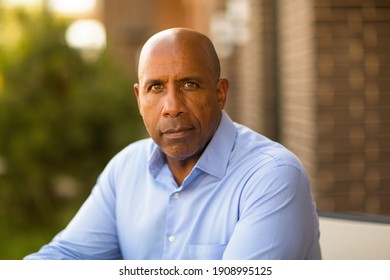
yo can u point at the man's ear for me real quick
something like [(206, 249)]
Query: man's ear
[(136, 92), (222, 89)]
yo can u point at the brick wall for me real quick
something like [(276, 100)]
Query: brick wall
[(252, 98), (255, 72), (336, 99)]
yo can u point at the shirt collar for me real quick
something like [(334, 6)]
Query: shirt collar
[(214, 159)]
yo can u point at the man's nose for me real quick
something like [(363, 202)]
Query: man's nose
[(173, 103)]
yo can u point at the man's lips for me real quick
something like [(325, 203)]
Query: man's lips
[(178, 132)]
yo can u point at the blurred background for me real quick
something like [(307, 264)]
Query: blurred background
[(311, 74)]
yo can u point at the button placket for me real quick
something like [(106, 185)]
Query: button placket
[(171, 229)]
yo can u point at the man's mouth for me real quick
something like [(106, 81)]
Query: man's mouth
[(179, 132)]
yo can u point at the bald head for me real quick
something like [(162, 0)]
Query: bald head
[(181, 42)]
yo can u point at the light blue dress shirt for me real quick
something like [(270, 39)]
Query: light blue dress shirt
[(247, 198)]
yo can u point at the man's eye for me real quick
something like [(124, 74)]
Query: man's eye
[(156, 87), (189, 85)]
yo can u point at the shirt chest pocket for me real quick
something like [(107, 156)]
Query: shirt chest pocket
[(206, 252)]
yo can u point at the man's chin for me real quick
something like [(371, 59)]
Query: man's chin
[(181, 153)]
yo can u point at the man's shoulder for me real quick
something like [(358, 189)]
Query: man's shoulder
[(257, 157), (261, 149)]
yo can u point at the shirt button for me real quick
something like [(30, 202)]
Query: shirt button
[(176, 195), (171, 238)]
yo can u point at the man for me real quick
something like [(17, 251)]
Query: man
[(202, 187)]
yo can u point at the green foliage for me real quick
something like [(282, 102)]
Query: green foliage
[(61, 120)]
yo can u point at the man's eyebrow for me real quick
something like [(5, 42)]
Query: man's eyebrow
[(189, 79), (153, 81)]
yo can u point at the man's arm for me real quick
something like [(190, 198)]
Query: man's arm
[(277, 220), (92, 232)]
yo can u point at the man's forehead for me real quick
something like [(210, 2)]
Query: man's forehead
[(169, 70), (173, 61)]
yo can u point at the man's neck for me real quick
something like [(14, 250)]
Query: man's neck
[(181, 168)]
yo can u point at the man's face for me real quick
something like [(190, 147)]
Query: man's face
[(180, 99)]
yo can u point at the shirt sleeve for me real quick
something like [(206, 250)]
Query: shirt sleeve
[(92, 232), (278, 218)]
